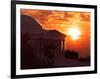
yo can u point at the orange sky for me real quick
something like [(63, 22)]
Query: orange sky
[(62, 21)]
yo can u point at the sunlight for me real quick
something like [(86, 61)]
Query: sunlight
[(74, 33)]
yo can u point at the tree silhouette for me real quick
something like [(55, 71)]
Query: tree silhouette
[(71, 54)]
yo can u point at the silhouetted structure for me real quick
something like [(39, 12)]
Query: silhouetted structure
[(40, 48)]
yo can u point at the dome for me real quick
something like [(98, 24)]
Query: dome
[(28, 24)]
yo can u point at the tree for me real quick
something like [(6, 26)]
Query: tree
[(71, 54)]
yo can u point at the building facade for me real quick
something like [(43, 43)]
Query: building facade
[(46, 47)]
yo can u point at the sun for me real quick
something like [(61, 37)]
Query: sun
[(74, 33)]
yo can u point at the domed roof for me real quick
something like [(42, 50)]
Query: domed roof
[(28, 24)]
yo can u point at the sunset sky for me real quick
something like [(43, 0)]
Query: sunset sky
[(75, 25)]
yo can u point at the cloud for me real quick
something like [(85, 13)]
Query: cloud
[(61, 21)]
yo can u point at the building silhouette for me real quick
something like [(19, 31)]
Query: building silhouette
[(40, 48)]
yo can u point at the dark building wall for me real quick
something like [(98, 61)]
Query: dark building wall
[(40, 48)]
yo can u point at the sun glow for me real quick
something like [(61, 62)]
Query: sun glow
[(74, 33)]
